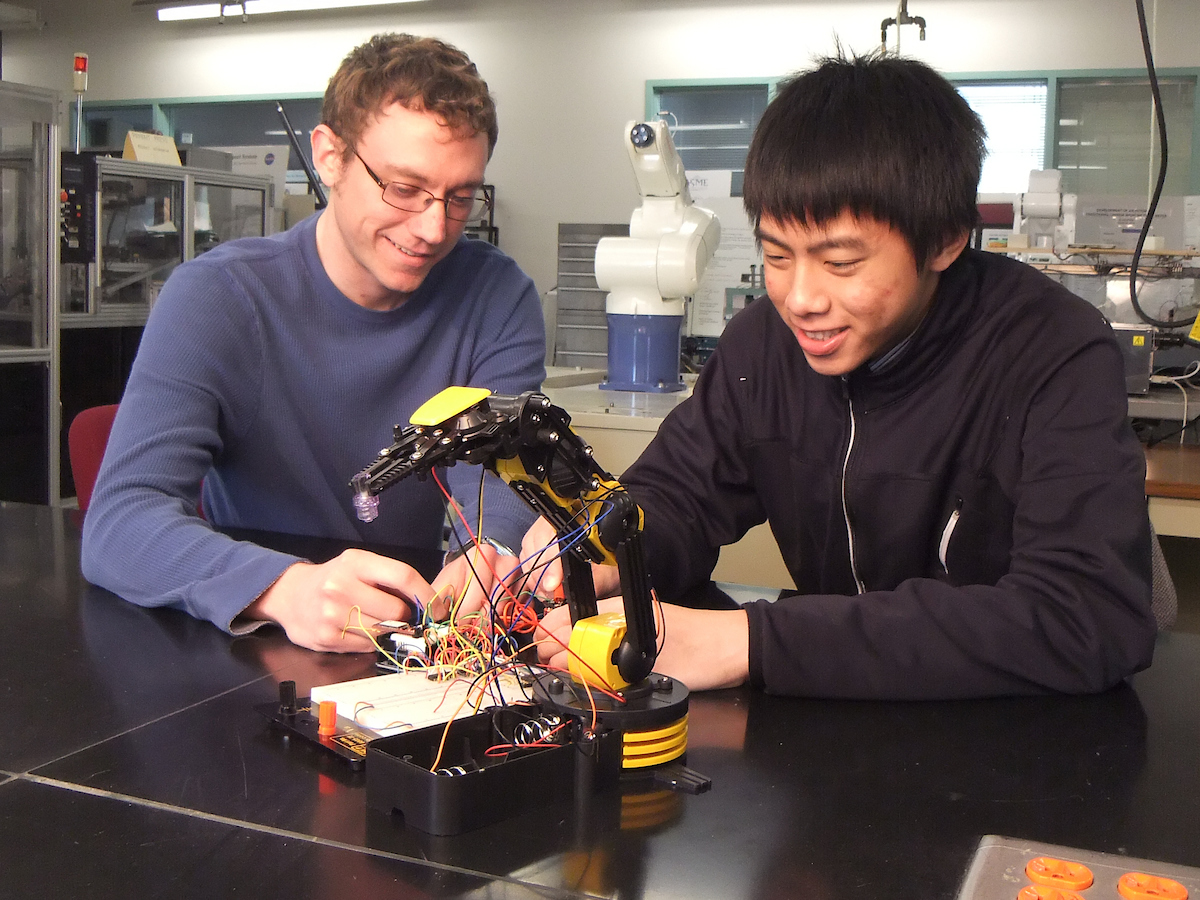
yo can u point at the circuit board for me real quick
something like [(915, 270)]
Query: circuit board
[(1012, 869)]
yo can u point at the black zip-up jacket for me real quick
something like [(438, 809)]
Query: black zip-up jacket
[(969, 522)]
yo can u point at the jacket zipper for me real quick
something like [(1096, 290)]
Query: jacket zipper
[(845, 507), (947, 532)]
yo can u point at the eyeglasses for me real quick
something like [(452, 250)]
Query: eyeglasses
[(413, 199)]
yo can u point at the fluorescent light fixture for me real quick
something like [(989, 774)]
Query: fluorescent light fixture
[(177, 13)]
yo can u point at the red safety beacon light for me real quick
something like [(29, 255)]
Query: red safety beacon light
[(80, 72)]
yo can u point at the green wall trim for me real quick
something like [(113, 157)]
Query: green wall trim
[(1044, 74), (1050, 152), (652, 106)]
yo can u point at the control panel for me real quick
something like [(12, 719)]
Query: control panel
[(77, 205)]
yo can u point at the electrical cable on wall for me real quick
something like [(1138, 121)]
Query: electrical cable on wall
[(314, 183), (1161, 118)]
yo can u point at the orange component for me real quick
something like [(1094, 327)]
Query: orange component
[(517, 617), (1140, 886), (327, 718), (1059, 873), (1043, 892)]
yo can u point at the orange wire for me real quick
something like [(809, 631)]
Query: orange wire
[(512, 597), (517, 617)]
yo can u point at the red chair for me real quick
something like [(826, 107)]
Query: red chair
[(86, 439)]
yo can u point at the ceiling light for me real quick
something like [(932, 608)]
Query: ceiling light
[(174, 12)]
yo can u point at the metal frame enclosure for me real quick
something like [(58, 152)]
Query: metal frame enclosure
[(39, 110)]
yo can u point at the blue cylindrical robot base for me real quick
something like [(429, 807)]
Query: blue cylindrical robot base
[(643, 353)]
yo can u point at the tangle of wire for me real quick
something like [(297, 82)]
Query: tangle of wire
[(483, 645), (511, 611), (515, 612)]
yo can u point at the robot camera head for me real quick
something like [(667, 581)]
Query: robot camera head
[(642, 135)]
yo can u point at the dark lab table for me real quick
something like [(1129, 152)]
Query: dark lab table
[(133, 765)]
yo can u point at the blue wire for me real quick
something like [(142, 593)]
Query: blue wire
[(419, 610), (565, 545)]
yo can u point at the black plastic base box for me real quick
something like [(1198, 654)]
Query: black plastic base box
[(472, 789)]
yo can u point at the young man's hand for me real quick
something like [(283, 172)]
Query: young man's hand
[(543, 569), (704, 648), (326, 606), (469, 581)]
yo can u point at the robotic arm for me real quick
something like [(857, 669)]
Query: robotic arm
[(529, 444), (670, 240), (649, 273)]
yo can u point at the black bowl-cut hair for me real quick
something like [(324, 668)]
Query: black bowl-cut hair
[(879, 136)]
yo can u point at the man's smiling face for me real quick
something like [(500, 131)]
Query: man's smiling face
[(378, 255), (849, 289)]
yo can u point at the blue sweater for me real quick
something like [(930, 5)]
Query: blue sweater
[(257, 377)]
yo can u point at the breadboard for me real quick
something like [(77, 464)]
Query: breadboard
[(405, 701)]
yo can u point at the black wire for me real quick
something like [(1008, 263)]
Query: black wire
[(1162, 177), (1158, 439)]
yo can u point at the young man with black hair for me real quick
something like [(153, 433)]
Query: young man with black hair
[(937, 436), (273, 369)]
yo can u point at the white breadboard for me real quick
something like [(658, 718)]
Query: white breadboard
[(404, 701)]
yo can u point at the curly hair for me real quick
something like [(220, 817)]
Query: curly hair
[(419, 73)]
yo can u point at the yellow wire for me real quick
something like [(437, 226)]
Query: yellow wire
[(446, 731), (361, 626)]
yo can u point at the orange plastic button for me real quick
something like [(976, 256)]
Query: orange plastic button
[(327, 718), (1043, 892), (1140, 886), (1059, 873)]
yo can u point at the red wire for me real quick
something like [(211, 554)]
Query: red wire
[(505, 749), (458, 511), (474, 540)]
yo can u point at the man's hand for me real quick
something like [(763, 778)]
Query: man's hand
[(544, 571), (704, 648), (324, 607), (461, 591)]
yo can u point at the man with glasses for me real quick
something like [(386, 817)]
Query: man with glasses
[(272, 369)]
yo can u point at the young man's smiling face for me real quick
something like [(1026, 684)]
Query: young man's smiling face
[(375, 254), (849, 289)]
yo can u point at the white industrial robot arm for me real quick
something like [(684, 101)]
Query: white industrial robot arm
[(670, 241)]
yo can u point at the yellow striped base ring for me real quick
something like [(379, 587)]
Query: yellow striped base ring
[(654, 747)]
